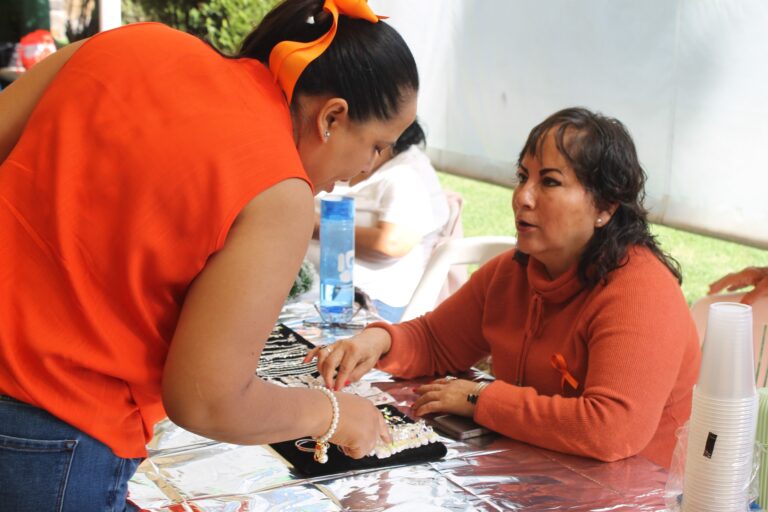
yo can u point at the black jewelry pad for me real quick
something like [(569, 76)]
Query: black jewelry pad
[(283, 354), (338, 462)]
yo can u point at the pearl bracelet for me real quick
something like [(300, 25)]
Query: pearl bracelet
[(405, 437), (321, 443)]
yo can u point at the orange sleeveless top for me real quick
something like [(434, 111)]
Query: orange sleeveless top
[(127, 178)]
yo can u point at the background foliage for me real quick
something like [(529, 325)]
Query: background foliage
[(223, 23)]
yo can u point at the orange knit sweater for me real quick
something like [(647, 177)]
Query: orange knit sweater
[(630, 344)]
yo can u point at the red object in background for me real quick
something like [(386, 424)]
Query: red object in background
[(36, 46)]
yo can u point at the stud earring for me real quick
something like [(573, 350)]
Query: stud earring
[(326, 134), (599, 220)]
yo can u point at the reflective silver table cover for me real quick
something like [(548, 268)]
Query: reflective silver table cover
[(185, 472)]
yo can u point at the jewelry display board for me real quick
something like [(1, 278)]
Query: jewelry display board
[(282, 358), (282, 363), (300, 454)]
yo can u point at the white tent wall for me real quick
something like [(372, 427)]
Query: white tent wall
[(110, 14), (689, 78)]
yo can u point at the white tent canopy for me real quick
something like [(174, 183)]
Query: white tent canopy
[(689, 78), (110, 14)]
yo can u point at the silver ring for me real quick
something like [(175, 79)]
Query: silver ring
[(328, 349), (449, 377)]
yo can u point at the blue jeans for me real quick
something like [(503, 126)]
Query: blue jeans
[(49, 465)]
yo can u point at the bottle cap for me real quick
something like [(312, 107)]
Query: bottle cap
[(337, 207)]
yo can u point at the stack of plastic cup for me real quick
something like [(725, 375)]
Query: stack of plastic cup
[(721, 433)]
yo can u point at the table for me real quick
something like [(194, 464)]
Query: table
[(185, 472)]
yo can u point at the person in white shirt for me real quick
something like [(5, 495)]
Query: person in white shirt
[(400, 209)]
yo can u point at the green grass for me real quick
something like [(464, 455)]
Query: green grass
[(488, 211)]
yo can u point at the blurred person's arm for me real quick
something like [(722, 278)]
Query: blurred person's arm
[(19, 99), (385, 240), (750, 276)]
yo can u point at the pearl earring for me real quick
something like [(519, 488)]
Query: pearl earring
[(599, 220), (327, 134)]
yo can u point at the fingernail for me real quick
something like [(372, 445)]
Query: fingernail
[(347, 383)]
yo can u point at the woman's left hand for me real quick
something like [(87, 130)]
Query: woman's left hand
[(448, 395)]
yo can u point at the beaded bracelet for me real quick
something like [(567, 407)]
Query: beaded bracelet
[(321, 443), (475, 394), (404, 437)]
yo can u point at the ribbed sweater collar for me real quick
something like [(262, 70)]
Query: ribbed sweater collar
[(553, 290)]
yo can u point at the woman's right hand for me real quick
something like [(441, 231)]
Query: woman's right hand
[(361, 425), (353, 357)]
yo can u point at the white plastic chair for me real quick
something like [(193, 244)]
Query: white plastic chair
[(460, 251)]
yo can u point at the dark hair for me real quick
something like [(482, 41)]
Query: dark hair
[(600, 151), (412, 136), (367, 64)]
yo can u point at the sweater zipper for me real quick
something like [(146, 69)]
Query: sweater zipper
[(531, 328), (523, 358)]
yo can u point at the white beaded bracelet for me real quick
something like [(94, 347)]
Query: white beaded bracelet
[(404, 437), (321, 443)]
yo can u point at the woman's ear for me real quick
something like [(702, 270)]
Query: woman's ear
[(333, 113), (604, 216)]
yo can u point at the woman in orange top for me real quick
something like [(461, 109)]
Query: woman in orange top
[(155, 206), (594, 349)]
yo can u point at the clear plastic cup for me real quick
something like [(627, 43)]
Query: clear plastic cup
[(727, 366), (727, 428), (733, 404), (727, 420), (720, 476), (724, 468), (702, 443), (707, 496), (693, 503), (725, 405), (717, 473), (736, 493), (716, 413), (727, 423), (698, 394), (750, 406), (713, 472), (730, 500)]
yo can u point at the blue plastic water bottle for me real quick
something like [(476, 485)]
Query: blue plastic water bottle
[(337, 257)]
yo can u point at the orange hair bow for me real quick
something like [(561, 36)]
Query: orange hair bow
[(288, 59), (559, 364)]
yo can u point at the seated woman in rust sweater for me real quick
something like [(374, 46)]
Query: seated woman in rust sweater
[(594, 349)]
